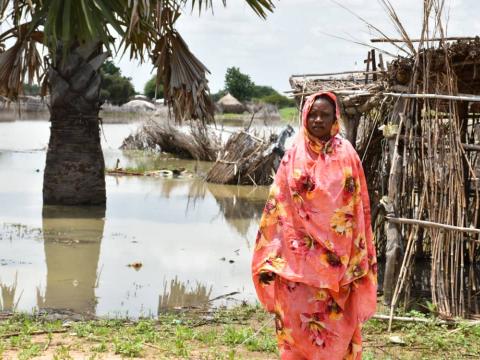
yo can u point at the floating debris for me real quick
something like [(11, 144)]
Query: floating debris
[(248, 159), (165, 173), (136, 265)]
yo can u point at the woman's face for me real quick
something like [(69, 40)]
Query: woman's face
[(320, 119)]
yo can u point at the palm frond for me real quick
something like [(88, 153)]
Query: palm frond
[(184, 79), (20, 63), (260, 7)]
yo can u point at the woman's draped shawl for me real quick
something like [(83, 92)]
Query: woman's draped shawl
[(315, 227)]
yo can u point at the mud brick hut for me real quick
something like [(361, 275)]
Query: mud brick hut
[(415, 123)]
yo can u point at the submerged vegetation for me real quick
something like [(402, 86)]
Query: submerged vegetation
[(245, 332)]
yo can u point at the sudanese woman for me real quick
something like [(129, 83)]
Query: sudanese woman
[(314, 263)]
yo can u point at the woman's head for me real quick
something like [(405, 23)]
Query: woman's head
[(321, 117)]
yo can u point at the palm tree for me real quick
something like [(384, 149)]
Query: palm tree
[(78, 35)]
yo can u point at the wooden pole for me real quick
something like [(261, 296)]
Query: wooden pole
[(453, 38), (433, 225), (360, 72), (374, 64), (471, 98), (381, 64), (367, 61), (459, 97)]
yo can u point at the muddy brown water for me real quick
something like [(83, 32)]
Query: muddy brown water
[(191, 242)]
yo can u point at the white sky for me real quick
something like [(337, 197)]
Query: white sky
[(292, 39)]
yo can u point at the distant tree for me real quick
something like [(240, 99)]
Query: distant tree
[(108, 67), (260, 91), (279, 100), (116, 89), (149, 89), (238, 84)]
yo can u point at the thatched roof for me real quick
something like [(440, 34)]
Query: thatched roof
[(230, 104), (139, 105), (361, 91)]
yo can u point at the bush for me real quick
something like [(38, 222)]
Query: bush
[(116, 89), (149, 88), (260, 91), (279, 100)]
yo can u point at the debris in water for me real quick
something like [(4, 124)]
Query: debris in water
[(136, 265)]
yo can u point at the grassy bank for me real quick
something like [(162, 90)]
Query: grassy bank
[(242, 333), (289, 114)]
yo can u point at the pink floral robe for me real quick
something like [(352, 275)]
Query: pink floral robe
[(314, 263)]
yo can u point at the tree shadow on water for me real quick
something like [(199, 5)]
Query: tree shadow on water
[(72, 238)]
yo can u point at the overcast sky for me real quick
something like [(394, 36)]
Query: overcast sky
[(292, 40)]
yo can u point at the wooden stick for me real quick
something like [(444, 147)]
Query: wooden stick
[(453, 38), (470, 147), (340, 92), (367, 61), (460, 97), (353, 78), (361, 72), (35, 333), (471, 98), (374, 65), (407, 319), (427, 321), (466, 147), (433, 224)]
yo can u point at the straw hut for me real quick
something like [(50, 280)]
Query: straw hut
[(229, 104), (415, 124), (139, 105)]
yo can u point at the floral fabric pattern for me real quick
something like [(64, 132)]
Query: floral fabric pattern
[(314, 263)]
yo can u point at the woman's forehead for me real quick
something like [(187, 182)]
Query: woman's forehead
[(321, 103)]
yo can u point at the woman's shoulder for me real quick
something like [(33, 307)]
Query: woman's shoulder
[(345, 148)]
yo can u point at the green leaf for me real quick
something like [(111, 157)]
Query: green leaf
[(67, 7), (86, 13)]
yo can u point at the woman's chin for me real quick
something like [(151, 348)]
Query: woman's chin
[(321, 135)]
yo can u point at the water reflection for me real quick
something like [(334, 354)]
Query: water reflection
[(8, 302), (178, 294), (240, 205), (72, 238)]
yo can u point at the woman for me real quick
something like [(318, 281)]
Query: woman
[(314, 264)]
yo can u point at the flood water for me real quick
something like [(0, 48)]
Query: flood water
[(193, 240)]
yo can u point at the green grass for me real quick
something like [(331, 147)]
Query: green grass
[(230, 116), (223, 334), (289, 114)]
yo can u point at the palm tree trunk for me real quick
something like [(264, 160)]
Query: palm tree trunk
[(75, 168)]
